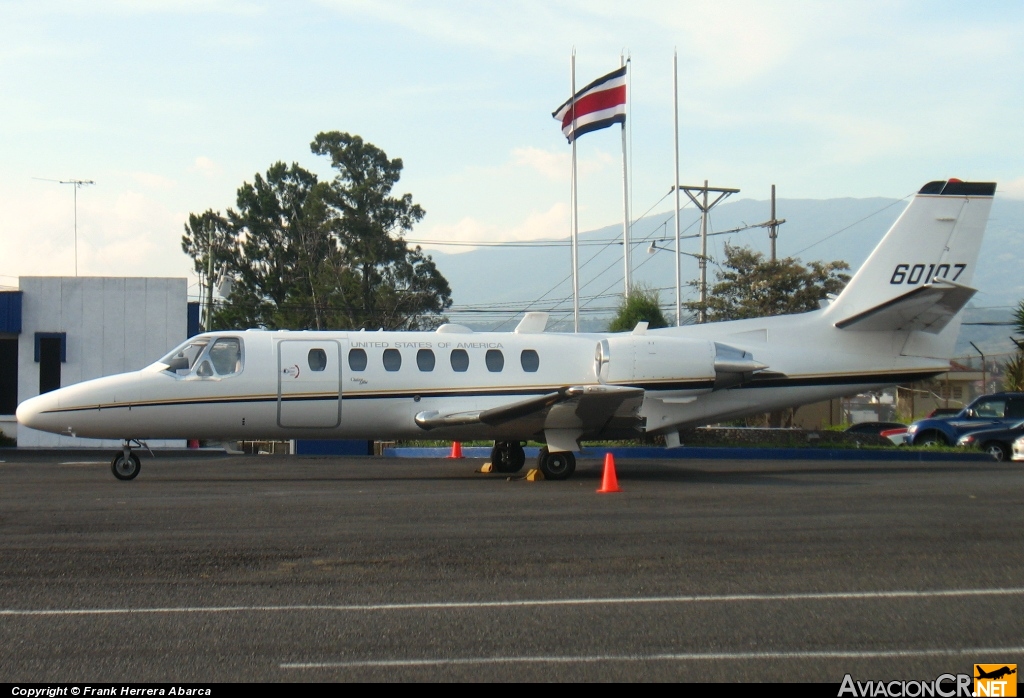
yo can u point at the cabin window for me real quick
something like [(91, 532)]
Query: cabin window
[(425, 360), (460, 360), (226, 355), (317, 359), (205, 370), (529, 360), (495, 360), (357, 360), (392, 360)]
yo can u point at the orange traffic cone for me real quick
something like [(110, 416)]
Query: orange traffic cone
[(456, 450), (610, 483)]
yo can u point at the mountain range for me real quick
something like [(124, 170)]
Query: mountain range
[(493, 286)]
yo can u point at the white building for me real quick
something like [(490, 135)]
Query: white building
[(57, 331)]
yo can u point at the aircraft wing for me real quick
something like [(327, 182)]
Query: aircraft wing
[(928, 308), (585, 407)]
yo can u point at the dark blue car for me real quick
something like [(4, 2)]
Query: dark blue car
[(998, 443), (986, 412)]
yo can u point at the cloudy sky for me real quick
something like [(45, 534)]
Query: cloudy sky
[(169, 105)]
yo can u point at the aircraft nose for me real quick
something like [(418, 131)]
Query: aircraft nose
[(35, 413)]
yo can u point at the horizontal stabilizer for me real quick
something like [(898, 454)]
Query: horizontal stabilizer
[(928, 308)]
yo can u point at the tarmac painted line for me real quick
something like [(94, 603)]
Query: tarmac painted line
[(84, 462), (532, 603), (668, 657)]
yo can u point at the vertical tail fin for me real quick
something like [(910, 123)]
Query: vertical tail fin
[(936, 238)]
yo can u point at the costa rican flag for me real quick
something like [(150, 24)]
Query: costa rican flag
[(598, 105)]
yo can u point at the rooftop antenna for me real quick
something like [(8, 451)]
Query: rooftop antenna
[(79, 183)]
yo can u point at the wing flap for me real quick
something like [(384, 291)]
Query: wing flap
[(585, 407), (593, 406), (495, 415)]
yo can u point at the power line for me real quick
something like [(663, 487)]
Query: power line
[(841, 230), (516, 243)]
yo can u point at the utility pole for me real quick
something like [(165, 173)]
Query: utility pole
[(702, 204), (984, 371), (773, 225), (209, 278)]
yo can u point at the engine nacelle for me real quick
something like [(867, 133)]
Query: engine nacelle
[(672, 362)]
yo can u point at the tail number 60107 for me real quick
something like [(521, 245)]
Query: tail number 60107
[(922, 273)]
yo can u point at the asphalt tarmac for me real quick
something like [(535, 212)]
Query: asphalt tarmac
[(276, 568)]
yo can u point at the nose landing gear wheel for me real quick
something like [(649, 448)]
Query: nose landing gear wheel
[(125, 468), (556, 466)]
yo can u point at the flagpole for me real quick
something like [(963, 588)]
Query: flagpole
[(675, 118), (626, 249), (575, 211)]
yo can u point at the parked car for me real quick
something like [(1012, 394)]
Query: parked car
[(897, 436), (998, 443), (873, 427), (895, 432), (988, 411)]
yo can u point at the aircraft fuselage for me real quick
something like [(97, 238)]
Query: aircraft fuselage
[(373, 385)]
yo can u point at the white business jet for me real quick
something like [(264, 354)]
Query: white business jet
[(895, 322)]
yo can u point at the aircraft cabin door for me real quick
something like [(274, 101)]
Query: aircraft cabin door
[(308, 383)]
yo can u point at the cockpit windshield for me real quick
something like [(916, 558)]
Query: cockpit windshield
[(206, 357), (182, 359)]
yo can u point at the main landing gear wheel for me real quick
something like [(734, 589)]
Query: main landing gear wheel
[(556, 466), (508, 457), (125, 467)]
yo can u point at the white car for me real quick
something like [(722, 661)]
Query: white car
[(897, 436), (1018, 449)]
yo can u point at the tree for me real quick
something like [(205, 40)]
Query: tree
[(281, 240), (1013, 373), (208, 242), (1013, 369), (641, 305), (309, 254), (748, 285), (388, 284)]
